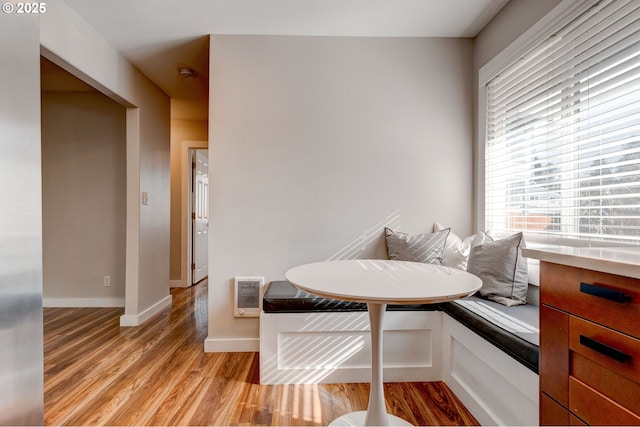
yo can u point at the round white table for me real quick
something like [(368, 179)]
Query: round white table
[(378, 283)]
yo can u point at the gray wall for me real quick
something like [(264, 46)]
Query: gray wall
[(84, 199), (317, 142), (21, 361)]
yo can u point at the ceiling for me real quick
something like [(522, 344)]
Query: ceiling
[(55, 79), (159, 36)]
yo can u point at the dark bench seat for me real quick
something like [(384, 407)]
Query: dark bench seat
[(282, 297), (514, 330)]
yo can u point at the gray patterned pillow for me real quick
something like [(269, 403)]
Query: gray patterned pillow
[(502, 269), (427, 248)]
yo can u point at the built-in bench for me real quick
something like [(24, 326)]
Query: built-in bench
[(513, 330), (487, 353)]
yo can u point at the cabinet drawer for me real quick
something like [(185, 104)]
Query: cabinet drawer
[(616, 387), (552, 413), (575, 421), (595, 408), (611, 300), (613, 350)]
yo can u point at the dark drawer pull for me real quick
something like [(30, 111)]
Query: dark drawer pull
[(606, 293), (607, 350)]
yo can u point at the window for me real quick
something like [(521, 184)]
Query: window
[(562, 147)]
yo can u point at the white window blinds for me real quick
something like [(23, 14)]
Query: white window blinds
[(562, 155)]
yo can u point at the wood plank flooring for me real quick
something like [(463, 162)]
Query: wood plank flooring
[(97, 373)]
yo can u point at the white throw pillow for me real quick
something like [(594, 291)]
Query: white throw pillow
[(457, 250)]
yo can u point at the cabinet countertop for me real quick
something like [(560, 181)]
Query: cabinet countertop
[(623, 261)]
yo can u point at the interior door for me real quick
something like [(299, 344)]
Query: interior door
[(200, 217)]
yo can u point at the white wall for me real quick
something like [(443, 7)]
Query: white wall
[(21, 346), (317, 142), (84, 199), (68, 41)]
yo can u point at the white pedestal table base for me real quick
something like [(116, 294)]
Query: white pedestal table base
[(376, 414), (357, 419)]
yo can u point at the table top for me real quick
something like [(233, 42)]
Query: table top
[(384, 282)]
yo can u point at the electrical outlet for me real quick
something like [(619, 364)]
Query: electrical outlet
[(107, 281)]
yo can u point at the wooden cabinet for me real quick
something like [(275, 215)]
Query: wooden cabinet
[(589, 347)]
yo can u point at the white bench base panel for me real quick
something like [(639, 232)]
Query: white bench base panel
[(495, 388), (303, 348)]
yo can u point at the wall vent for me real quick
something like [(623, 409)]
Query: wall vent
[(247, 301)]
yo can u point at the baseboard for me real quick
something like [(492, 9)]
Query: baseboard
[(178, 284), (138, 319), (231, 345), (82, 302)]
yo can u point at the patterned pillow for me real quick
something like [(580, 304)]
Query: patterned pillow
[(502, 269), (427, 248)]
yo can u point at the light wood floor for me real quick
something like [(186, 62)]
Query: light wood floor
[(97, 373)]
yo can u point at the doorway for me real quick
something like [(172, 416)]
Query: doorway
[(199, 205), (83, 134)]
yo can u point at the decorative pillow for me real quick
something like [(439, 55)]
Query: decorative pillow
[(427, 248), (502, 269), (456, 250)]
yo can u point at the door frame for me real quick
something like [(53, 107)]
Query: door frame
[(190, 217), (186, 244)]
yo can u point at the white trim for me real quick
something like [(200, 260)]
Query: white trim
[(480, 145), (531, 38), (178, 284), (138, 319), (83, 302), (132, 251), (231, 345)]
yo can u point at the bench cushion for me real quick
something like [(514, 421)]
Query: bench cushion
[(282, 297), (515, 330)]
